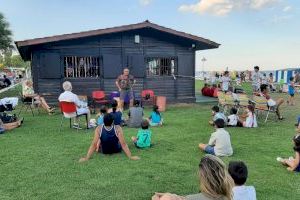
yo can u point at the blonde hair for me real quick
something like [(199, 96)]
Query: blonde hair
[(67, 86), (28, 83), (215, 180)]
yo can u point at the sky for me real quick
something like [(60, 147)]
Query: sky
[(251, 32)]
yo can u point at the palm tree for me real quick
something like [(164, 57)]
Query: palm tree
[(5, 35)]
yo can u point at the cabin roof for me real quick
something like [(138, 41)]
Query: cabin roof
[(146, 24)]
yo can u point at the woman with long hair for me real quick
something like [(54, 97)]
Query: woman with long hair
[(215, 182)]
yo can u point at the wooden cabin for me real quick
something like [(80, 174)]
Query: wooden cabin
[(160, 58)]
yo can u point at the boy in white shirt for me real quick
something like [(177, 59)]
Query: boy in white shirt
[(239, 173), (219, 143), (233, 118)]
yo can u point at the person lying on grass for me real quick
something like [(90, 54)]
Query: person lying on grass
[(239, 173), (219, 143), (271, 103), (217, 114), (215, 182), (293, 164), (143, 139), (7, 126), (108, 139)]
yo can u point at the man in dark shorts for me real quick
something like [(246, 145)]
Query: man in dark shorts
[(125, 83)]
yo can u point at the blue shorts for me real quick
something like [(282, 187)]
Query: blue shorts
[(210, 150)]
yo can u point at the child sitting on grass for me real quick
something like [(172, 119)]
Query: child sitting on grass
[(116, 113), (250, 121), (233, 118), (219, 143), (239, 173), (216, 114), (143, 139), (293, 164), (100, 116), (135, 115), (155, 118)]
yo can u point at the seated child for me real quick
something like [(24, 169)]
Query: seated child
[(205, 90), (135, 115), (100, 116), (143, 139), (213, 91), (250, 121), (216, 114), (293, 164), (117, 114), (155, 118), (233, 118), (219, 143), (239, 173)]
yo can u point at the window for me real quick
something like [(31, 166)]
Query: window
[(161, 66), (81, 67)]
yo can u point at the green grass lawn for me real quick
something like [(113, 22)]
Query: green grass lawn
[(39, 162)]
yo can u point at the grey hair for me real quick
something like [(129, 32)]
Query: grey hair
[(67, 86)]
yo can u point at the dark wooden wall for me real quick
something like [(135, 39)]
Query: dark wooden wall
[(116, 52)]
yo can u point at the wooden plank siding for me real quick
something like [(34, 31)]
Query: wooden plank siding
[(122, 46)]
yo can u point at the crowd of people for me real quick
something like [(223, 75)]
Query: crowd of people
[(216, 180)]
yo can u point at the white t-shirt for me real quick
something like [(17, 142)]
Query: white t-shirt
[(251, 121), (264, 80), (69, 96), (256, 76), (221, 142), (220, 115), (244, 193), (225, 83), (233, 120)]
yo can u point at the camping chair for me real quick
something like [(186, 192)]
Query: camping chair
[(147, 97), (261, 105), (28, 102), (99, 98), (69, 111)]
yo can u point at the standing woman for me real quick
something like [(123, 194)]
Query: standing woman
[(125, 84), (28, 92), (215, 182)]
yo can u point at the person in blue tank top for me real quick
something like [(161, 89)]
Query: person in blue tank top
[(293, 164), (108, 139), (291, 100), (116, 113), (155, 118)]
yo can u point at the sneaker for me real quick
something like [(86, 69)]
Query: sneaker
[(76, 126), (279, 159)]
